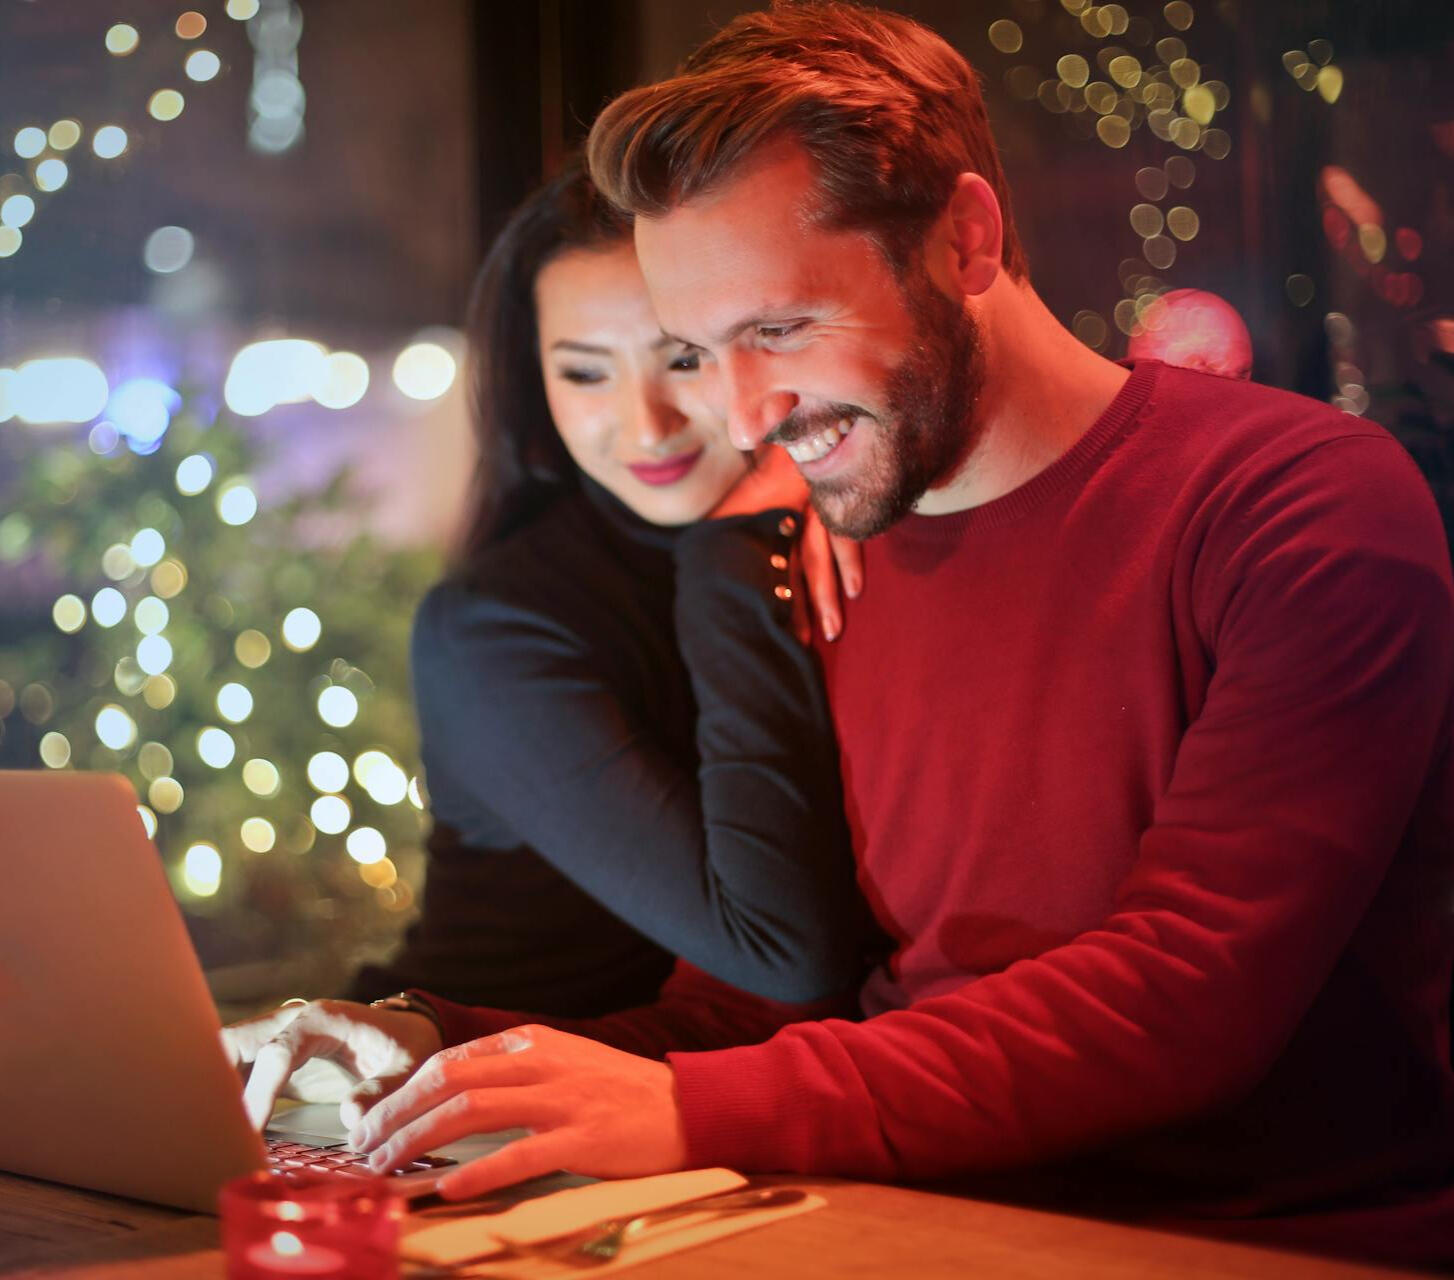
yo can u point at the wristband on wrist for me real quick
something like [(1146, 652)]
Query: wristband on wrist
[(408, 1002)]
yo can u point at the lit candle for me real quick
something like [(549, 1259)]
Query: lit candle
[(283, 1254), (310, 1225)]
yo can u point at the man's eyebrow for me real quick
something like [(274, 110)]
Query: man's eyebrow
[(584, 348)]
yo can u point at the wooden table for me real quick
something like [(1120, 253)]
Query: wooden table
[(866, 1230)]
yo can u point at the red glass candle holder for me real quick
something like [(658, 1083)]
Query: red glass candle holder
[(299, 1225)]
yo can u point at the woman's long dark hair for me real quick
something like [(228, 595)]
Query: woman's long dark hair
[(522, 461)]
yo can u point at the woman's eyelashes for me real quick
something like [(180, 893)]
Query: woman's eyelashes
[(687, 362), (581, 377)]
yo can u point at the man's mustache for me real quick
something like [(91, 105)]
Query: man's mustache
[(800, 426)]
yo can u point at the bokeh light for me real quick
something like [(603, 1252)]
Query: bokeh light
[(159, 692), (387, 783), (114, 728), (1183, 222), (165, 795), (17, 210), (168, 249), (109, 141), (165, 105), (122, 39), (328, 771), (330, 814), (1006, 36), (424, 371), (252, 648), (301, 629), (141, 410), (155, 760), (169, 579), (345, 378), (150, 615), (366, 844), (128, 676), (216, 747), (337, 706), (382, 874), (234, 702), (236, 502), (116, 561), (190, 25), (1300, 289), (108, 607), (154, 654), (11, 238), (37, 703), (51, 174), (69, 613), (202, 65), (148, 821), (1074, 70), (1178, 14), (64, 134), (258, 834), (29, 142), (55, 750), (148, 547), (59, 389), (202, 869), (242, 10), (277, 371), (261, 777), (194, 474)]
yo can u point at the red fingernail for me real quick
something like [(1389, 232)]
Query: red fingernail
[(853, 586), (831, 628)]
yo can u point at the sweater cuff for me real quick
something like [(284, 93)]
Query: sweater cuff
[(736, 1107), (461, 1022)]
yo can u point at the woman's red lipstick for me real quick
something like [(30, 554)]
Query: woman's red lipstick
[(667, 472)]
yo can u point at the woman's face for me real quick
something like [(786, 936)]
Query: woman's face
[(628, 403)]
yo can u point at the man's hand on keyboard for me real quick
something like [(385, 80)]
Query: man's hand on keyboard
[(590, 1109), (327, 1051)]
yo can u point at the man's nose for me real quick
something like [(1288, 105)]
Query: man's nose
[(753, 405)]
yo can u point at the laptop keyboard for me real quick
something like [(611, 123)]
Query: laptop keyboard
[(328, 1155)]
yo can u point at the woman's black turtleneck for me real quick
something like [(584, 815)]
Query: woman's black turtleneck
[(629, 757)]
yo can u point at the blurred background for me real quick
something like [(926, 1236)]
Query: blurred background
[(236, 243)]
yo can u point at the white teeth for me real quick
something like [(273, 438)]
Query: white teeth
[(820, 445)]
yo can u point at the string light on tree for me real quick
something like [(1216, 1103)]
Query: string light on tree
[(192, 605)]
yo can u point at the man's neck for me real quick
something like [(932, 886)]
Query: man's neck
[(1043, 390)]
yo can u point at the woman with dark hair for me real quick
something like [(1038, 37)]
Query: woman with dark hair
[(628, 752)]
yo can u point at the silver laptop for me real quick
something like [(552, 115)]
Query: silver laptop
[(112, 1074)]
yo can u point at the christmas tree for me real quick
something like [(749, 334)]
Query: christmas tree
[(242, 665)]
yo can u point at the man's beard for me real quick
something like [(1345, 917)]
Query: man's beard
[(927, 429)]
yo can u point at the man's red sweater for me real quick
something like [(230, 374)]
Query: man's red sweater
[(1149, 770)]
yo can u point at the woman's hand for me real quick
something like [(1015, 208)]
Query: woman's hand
[(830, 564), (327, 1051), (826, 567)]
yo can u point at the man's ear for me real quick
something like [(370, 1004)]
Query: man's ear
[(976, 234)]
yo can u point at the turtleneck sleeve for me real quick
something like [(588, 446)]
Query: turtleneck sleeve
[(736, 860)]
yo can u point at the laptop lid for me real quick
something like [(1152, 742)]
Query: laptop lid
[(111, 1073)]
